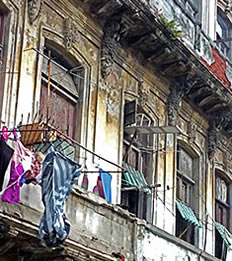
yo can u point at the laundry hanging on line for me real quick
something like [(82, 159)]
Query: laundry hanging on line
[(6, 154), (99, 183), (21, 162), (59, 175)]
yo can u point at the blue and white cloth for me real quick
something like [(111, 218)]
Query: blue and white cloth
[(59, 173)]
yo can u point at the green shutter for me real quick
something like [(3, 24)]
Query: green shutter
[(187, 213), (134, 178), (225, 234)]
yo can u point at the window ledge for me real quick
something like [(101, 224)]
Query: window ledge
[(165, 235)]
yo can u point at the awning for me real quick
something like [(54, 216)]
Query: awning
[(225, 234), (134, 177), (187, 213)]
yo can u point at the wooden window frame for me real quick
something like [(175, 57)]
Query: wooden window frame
[(60, 89), (2, 33), (182, 178), (140, 210), (184, 230), (222, 217), (224, 46)]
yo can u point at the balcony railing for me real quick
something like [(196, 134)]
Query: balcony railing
[(186, 17)]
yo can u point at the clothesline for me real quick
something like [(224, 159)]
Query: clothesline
[(74, 142)]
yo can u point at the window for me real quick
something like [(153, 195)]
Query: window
[(2, 26), (185, 176), (65, 83), (222, 213), (185, 226), (223, 33), (137, 156)]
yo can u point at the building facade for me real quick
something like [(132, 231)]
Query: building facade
[(142, 88)]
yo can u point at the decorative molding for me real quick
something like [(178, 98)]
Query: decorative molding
[(71, 33), (114, 30), (177, 91), (34, 8), (226, 158), (217, 122), (144, 93), (192, 131)]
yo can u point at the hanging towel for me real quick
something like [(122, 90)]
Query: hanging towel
[(6, 154), (106, 182), (98, 189), (21, 162), (92, 178), (85, 182), (59, 173)]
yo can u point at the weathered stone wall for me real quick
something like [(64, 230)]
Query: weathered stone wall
[(94, 222)]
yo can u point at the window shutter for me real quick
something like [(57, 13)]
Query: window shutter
[(130, 113), (61, 77), (61, 108)]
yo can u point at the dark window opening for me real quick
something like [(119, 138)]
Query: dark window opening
[(220, 247), (184, 230)]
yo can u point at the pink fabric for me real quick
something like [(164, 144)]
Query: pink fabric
[(21, 162)]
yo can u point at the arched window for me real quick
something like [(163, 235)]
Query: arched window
[(222, 214), (187, 187), (138, 159), (66, 77), (223, 33)]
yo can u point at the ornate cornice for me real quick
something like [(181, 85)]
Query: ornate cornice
[(181, 86), (115, 29), (218, 121)]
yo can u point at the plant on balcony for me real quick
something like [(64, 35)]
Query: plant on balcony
[(172, 27)]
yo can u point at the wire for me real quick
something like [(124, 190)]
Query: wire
[(57, 64)]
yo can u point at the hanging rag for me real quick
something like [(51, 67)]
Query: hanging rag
[(85, 182), (21, 162), (92, 176), (34, 174), (106, 182), (59, 173), (6, 154), (98, 189)]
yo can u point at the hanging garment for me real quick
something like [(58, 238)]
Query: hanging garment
[(21, 162), (85, 182), (35, 171), (58, 175), (98, 189), (12, 144), (6, 154), (92, 177), (106, 182)]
